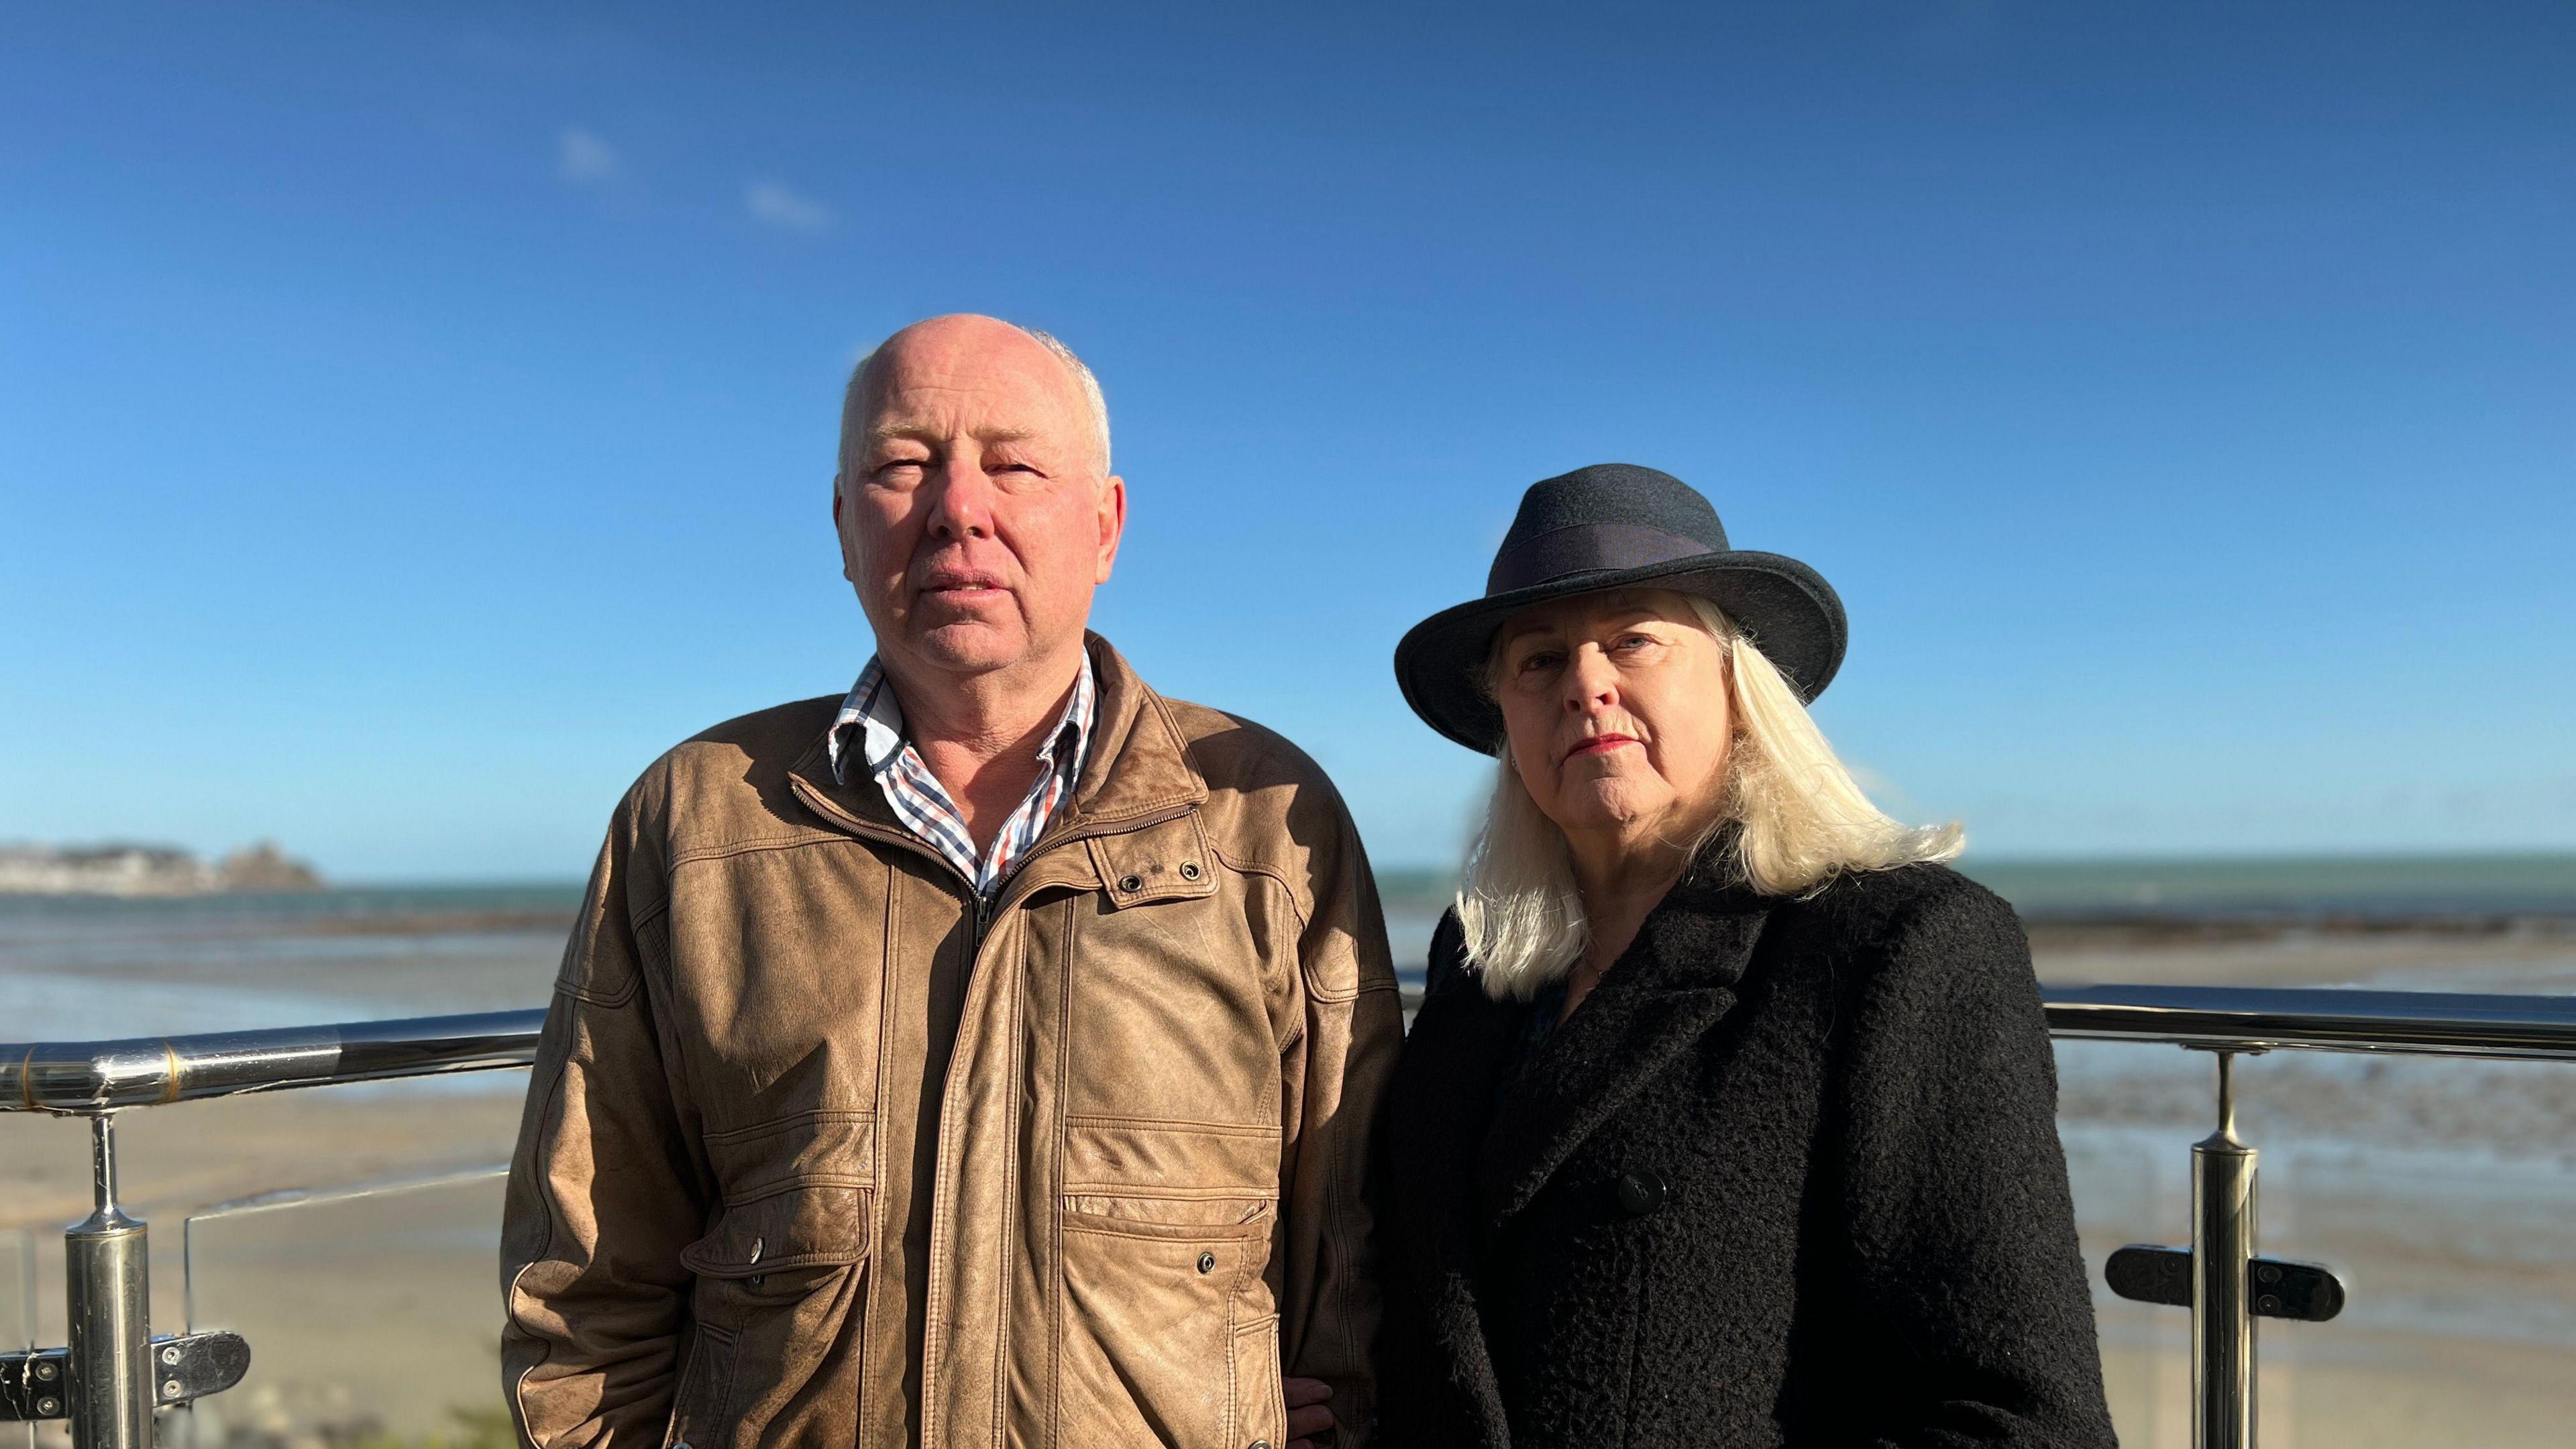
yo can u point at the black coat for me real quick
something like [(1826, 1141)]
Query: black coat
[(1789, 1175)]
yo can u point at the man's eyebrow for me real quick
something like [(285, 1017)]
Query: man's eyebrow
[(924, 433), (879, 437)]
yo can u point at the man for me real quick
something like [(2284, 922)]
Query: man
[(985, 1057)]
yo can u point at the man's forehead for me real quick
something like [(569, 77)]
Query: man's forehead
[(967, 375), (923, 384)]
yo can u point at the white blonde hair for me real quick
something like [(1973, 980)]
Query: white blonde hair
[(854, 395), (1795, 816)]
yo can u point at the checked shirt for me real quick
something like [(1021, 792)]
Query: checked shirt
[(872, 713)]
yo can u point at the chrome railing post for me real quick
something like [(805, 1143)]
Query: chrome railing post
[(2222, 1250), (107, 1290)]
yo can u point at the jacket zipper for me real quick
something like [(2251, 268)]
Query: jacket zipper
[(980, 914)]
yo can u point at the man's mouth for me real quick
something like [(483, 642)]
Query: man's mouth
[(962, 585)]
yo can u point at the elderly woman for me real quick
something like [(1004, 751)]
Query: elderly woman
[(1728, 1118)]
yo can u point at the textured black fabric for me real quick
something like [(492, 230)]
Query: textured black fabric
[(1615, 493), (1612, 526), (1584, 547), (1789, 1175)]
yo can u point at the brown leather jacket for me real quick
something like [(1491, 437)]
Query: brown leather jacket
[(1134, 1191)]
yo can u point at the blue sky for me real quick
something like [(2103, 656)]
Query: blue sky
[(411, 422)]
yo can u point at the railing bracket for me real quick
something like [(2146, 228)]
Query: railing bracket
[(37, 1383), (2278, 1288)]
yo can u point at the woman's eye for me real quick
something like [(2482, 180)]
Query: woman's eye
[(1541, 660)]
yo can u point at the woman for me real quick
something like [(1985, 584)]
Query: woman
[(1728, 1118)]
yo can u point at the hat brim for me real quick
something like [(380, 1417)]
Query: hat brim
[(1789, 610)]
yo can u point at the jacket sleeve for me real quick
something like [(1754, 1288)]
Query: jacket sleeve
[(1974, 1324), (603, 1192), (1334, 1079)]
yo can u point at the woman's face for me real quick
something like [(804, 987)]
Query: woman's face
[(1616, 709)]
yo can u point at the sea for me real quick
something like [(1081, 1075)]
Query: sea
[(86, 968)]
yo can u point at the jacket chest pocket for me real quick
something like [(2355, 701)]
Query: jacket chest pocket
[(781, 1283), (1177, 980)]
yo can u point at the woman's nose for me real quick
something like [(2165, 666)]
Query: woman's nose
[(1591, 683)]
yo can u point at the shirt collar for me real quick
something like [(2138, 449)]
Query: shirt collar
[(871, 711)]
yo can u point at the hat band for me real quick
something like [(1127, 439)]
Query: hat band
[(1585, 547)]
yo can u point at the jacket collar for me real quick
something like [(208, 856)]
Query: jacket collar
[(1136, 768), (1672, 984)]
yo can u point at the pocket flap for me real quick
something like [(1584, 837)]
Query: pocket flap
[(799, 1227), (1166, 862)]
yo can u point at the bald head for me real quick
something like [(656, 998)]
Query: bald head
[(977, 340), (975, 505)]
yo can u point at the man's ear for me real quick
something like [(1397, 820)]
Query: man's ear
[(840, 534), (1113, 524)]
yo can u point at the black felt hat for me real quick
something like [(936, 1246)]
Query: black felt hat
[(1616, 526)]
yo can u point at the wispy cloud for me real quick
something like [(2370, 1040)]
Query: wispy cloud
[(771, 203), (584, 159)]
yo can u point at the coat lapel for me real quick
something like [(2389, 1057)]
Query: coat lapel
[(1674, 983)]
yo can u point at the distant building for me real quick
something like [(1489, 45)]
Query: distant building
[(124, 869)]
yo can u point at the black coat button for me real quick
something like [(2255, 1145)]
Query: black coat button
[(1641, 1192)]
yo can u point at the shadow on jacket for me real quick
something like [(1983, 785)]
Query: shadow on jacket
[(1788, 1176)]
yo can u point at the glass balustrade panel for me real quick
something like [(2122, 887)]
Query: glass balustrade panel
[(371, 1313), (2131, 1185), (2441, 1192), (17, 1314)]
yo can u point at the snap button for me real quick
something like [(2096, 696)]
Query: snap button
[(1189, 870), (1207, 1262), (1131, 884), (1641, 1192), (756, 1245), (1259, 1444)]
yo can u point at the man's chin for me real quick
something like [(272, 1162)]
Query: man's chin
[(970, 646)]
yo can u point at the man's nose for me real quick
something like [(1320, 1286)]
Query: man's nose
[(963, 507)]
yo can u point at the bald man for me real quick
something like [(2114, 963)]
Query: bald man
[(983, 1056)]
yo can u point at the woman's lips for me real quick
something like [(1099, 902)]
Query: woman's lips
[(1600, 744)]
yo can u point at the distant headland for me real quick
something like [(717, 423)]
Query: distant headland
[(121, 868)]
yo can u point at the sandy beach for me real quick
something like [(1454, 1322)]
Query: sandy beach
[(2441, 1190)]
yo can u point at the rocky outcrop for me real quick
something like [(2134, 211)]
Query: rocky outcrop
[(264, 867), (121, 868)]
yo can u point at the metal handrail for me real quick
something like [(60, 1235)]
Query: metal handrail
[(101, 1076), (80, 1077), (2258, 1018)]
